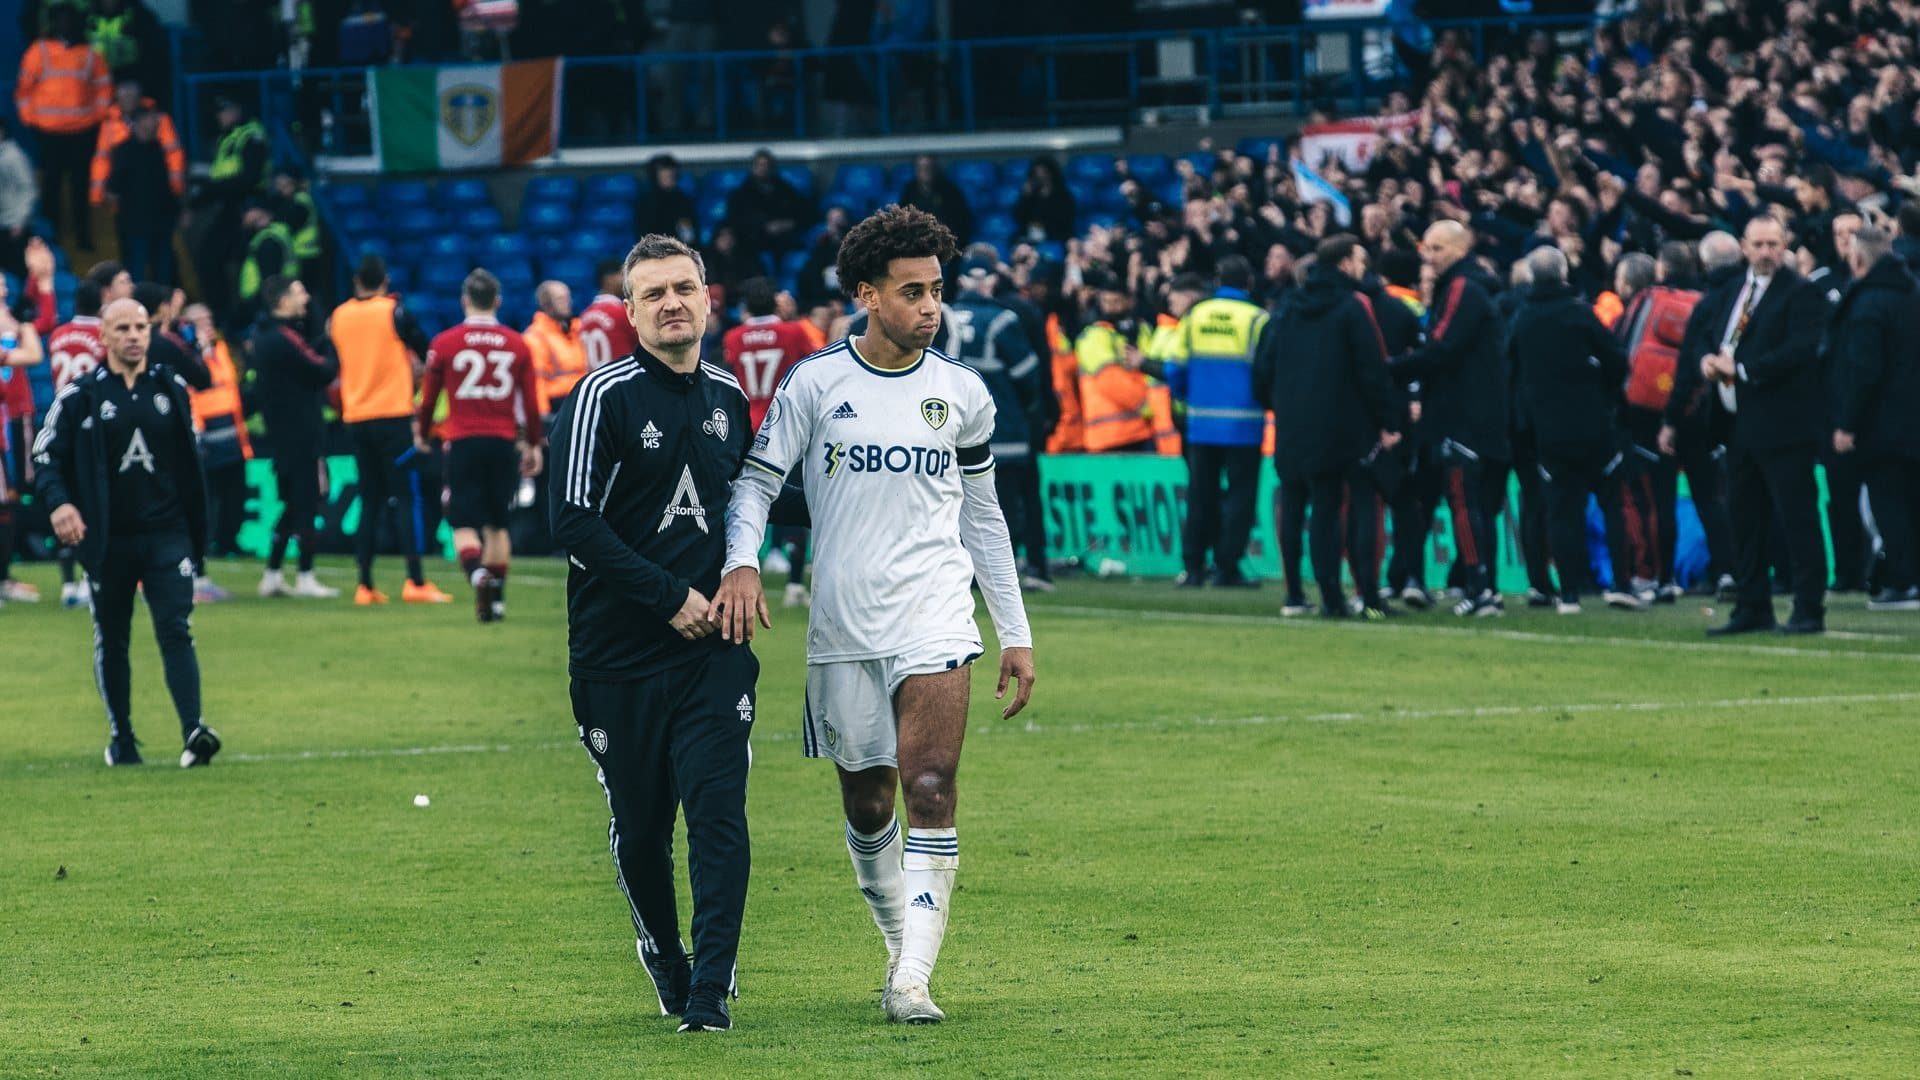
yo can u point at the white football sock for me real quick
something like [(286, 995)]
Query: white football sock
[(876, 868), (932, 857)]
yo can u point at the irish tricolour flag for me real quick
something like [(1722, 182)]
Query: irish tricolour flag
[(427, 119)]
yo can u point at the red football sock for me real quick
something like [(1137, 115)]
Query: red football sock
[(469, 561)]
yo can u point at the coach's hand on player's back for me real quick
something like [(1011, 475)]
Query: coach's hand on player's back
[(67, 524), (738, 602), (695, 618), (1016, 664)]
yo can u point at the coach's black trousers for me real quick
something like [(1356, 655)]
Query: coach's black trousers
[(1345, 519), (1016, 481), (678, 738), (387, 492), (1772, 491), (160, 565), (1464, 486), (1570, 476)]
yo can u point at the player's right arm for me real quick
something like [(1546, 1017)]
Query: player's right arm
[(585, 443), (784, 436), (430, 385), (52, 457)]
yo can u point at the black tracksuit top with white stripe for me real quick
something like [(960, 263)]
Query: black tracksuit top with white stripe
[(644, 459)]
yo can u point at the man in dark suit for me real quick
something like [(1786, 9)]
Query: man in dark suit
[(1766, 389), (1873, 365)]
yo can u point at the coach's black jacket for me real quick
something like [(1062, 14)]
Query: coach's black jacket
[(1873, 360), (643, 463), (71, 466), (1687, 410), (1779, 390), (1321, 366), (1571, 371), (1462, 369)]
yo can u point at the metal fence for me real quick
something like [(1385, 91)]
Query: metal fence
[(857, 91)]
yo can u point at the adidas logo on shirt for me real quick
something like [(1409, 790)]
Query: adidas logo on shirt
[(650, 437), (745, 709), (925, 900), (844, 412)]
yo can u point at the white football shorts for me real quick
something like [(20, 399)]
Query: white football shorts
[(849, 711)]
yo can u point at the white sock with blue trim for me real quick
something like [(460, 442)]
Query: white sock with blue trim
[(932, 857), (876, 868)]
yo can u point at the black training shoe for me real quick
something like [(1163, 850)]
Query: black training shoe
[(202, 744), (123, 750), (707, 1011), (672, 977)]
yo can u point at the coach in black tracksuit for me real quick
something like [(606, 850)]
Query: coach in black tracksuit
[(1572, 371), (1465, 392), (1873, 366), (116, 463), (646, 450), (1321, 366), (290, 382)]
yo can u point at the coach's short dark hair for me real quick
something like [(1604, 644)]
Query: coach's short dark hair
[(481, 290), (759, 296), (274, 290), (1234, 272), (86, 298), (893, 232), (103, 273), (1334, 250), (152, 295), (1187, 281), (605, 269), (1400, 268), (371, 273), (657, 246)]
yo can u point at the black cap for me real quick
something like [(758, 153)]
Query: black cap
[(983, 265)]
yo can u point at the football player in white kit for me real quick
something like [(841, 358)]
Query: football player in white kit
[(892, 435)]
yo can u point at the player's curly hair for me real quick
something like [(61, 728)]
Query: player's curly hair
[(893, 232)]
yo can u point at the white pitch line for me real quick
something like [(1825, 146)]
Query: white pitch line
[(1355, 626), (1029, 728)]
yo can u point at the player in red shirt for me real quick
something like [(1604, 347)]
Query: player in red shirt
[(492, 399), (73, 350), (761, 351), (606, 334), (19, 349)]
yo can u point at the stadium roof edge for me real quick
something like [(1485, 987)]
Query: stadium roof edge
[(798, 150)]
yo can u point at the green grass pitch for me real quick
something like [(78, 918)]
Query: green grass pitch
[(1218, 845)]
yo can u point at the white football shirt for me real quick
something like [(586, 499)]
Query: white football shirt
[(881, 457)]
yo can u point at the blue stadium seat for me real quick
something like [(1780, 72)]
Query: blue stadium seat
[(793, 262), (897, 178), (1004, 196), (995, 229), (1173, 192), (1149, 169), (613, 217), (408, 250), (395, 194), (546, 217), (415, 221), (1110, 200), (1093, 168), (561, 189), (856, 206), (974, 176), (1202, 162), (478, 220), (399, 279), (360, 222), (1083, 222), (503, 246), (464, 192), (1087, 193), (1256, 147), (547, 245), (1013, 170), (448, 245), (575, 270), (799, 176), (611, 187), (712, 211), (595, 244), (860, 181), (443, 276), (345, 196), (1052, 251), (516, 275), (721, 181), (372, 245)]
